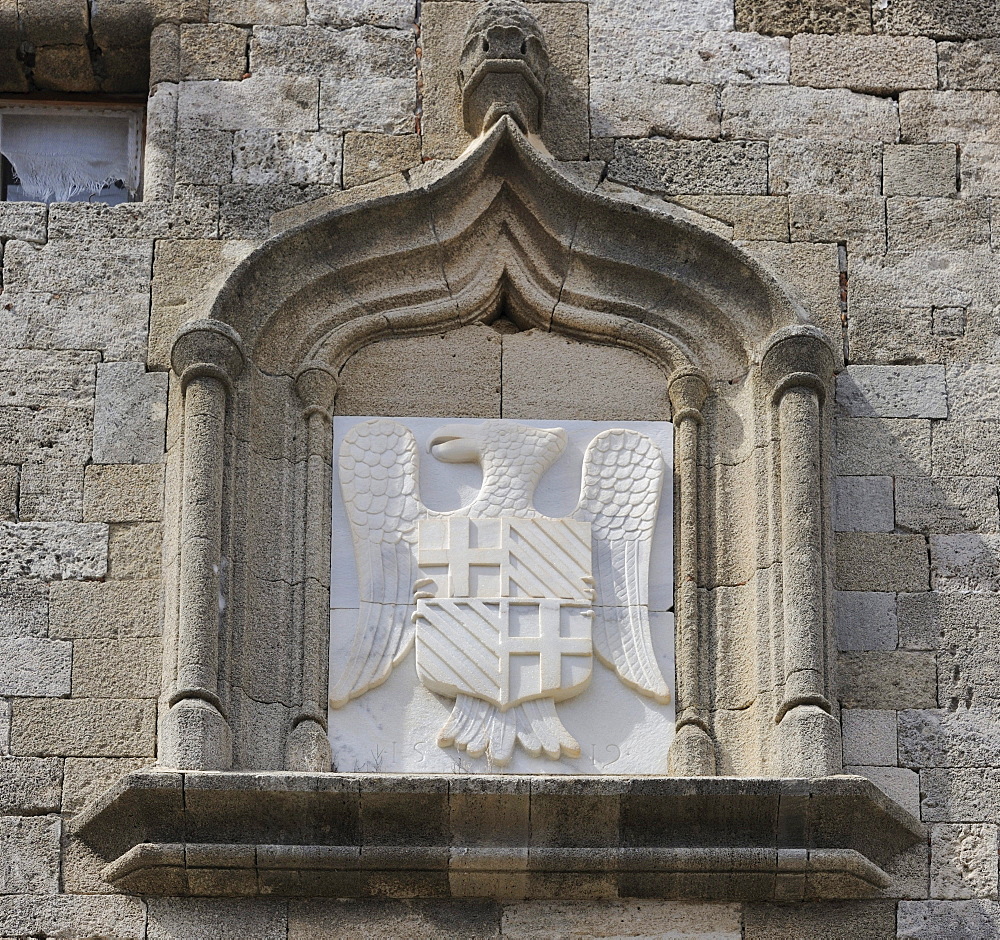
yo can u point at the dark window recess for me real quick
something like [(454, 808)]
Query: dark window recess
[(11, 190)]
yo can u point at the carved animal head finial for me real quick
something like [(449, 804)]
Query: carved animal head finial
[(504, 68)]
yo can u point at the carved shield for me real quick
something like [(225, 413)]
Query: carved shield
[(507, 614)]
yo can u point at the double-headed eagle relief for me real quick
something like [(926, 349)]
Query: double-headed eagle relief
[(506, 605)]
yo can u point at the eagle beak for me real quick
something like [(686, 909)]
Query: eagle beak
[(452, 445)]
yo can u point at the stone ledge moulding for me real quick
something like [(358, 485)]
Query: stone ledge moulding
[(244, 800)]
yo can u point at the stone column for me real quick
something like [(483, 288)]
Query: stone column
[(798, 367), (692, 752), (308, 746), (208, 357)]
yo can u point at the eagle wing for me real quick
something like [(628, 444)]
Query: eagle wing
[(623, 474), (378, 477)]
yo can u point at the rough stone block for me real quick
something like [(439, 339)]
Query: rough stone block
[(947, 505), (810, 274), (50, 492), (966, 447), (620, 384), (86, 778), (186, 278), (246, 210), (858, 220), (942, 920), (825, 920), (965, 563), (193, 216), (66, 915), (470, 387), (980, 169), (53, 550), (389, 14), (55, 23), (759, 112), (74, 320), (969, 66), (4, 727), (367, 75), (973, 388), (893, 391), (942, 19), (566, 130), (920, 169), (213, 51), (679, 57), (876, 64), (123, 493), (30, 785), (29, 854), (966, 737), (835, 167), (890, 334), (346, 919), (866, 620), (34, 666), (863, 504), (128, 668), (952, 116), (937, 223), (261, 157), (887, 680), (621, 108), (368, 157), (753, 218), (130, 414), (216, 919), (64, 68), (109, 267), (869, 737), (881, 562), (897, 783), (95, 609), (964, 861), (134, 550), (263, 102), (691, 166), (653, 918), (24, 609), (25, 221), (9, 488), (84, 727), (203, 156)]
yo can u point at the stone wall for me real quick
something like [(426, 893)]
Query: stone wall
[(852, 147)]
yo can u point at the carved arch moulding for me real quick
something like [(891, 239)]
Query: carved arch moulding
[(244, 800)]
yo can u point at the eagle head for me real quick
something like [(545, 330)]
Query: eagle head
[(499, 443)]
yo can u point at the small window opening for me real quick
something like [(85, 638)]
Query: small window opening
[(70, 153)]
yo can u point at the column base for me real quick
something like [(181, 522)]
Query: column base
[(308, 748), (194, 735), (692, 753), (809, 742)]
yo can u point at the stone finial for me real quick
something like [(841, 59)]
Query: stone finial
[(504, 68)]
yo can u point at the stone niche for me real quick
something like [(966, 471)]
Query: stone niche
[(497, 286)]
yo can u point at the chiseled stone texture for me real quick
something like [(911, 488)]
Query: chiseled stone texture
[(920, 169), (866, 620), (29, 855), (965, 563), (947, 505), (30, 785), (964, 860), (65, 915), (876, 64), (693, 167), (548, 920), (216, 919), (53, 550), (869, 737), (893, 392), (344, 920), (887, 680), (35, 666), (972, 65), (943, 920), (130, 414), (83, 727), (788, 17), (881, 562), (369, 156), (826, 920), (831, 167), (863, 504), (94, 609)]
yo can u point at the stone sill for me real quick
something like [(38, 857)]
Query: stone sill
[(355, 835)]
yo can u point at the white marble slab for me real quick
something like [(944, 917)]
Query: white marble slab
[(393, 727)]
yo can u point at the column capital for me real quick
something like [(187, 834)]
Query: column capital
[(797, 356), (316, 385), (207, 347), (688, 388)]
